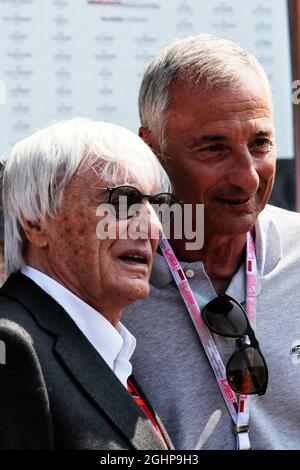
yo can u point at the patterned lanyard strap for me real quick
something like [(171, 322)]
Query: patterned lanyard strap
[(239, 408)]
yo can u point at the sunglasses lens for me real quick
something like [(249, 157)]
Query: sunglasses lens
[(225, 317), (167, 207), (122, 199), (127, 199), (247, 371), (165, 198)]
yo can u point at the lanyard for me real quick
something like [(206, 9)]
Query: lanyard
[(239, 408)]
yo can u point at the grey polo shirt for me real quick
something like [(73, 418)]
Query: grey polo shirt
[(171, 365)]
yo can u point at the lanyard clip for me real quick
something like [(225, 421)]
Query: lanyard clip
[(242, 437), (240, 429)]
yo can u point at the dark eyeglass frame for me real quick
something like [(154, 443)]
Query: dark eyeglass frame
[(260, 388), (140, 196)]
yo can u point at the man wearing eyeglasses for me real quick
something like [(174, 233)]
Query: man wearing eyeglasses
[(66, 379), (223, 321)]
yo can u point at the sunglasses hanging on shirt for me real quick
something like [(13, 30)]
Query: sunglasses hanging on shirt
[(246, 369)]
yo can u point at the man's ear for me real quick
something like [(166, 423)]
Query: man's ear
[(150, 140), (35, 233)]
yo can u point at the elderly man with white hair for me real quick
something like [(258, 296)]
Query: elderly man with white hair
[(67, 382)]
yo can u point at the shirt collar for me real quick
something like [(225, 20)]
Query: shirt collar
[(268, 249), (114, 344)]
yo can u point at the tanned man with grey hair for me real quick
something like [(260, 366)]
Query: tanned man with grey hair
[(222, 321)]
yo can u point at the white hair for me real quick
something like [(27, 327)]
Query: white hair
[(39, 167), (206, 58)]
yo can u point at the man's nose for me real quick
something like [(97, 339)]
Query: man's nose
[(243, 173), (147, 224), (155, 228)]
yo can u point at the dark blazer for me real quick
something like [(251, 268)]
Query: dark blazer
[(56, 392)]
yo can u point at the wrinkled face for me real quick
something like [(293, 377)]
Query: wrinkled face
[(107, 274), (220, 151)]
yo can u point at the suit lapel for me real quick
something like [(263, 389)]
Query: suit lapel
[(85, 364), (94, 375)]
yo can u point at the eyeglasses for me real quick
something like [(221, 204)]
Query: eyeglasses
[(122, 198), (246, 369)]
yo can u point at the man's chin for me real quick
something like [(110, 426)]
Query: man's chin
[(233, 225), (137, 290)]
